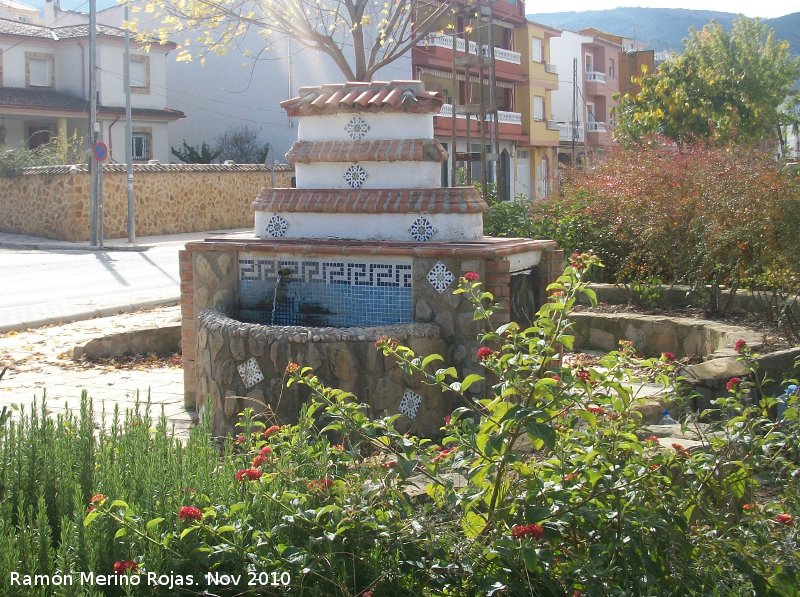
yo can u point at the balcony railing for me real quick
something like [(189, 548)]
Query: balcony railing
[(596, 127), (568, 132), (593, 75), (552, 125), (549, 67), (446, 41), (503, 117)]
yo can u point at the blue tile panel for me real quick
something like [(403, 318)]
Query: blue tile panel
[(323, 291)]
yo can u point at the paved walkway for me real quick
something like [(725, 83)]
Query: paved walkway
[(40, 363)]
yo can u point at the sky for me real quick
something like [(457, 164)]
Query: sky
[(765, 9)]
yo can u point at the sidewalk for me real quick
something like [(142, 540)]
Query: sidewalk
[(40, 365), (119, 277), (24, 242)]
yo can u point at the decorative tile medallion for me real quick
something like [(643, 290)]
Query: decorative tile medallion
[(409, 404), (277, 226), (357, 128), (440, 277), (422, 230), (250, 373), (355, 176)]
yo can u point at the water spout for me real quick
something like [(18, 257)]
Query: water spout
[(282, 274)]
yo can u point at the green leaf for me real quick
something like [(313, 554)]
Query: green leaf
[(431, 358), (226, 529), (469, 380), (90, 517), (472, 524), (151, 524), (541, 435), (186, 531), (120, 533), (119, 504)]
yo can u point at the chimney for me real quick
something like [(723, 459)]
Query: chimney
[(52, 8)]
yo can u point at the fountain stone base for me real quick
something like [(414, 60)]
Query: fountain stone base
[(335, 298)]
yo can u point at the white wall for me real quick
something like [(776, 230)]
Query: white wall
[(110, 60), (563, 50), (233, 90)]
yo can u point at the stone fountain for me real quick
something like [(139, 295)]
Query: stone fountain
[(368, 245)]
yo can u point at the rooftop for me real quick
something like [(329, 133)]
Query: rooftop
[(377, 96)]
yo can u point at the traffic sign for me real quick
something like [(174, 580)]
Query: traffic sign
[(100, 151)]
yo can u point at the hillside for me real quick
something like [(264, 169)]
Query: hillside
[(661, 28)]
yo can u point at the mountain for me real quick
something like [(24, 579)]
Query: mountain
[(661, 28)]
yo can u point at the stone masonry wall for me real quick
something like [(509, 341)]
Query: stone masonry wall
[(209, 272), (52, 202)]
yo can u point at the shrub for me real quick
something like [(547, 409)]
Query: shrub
[(339, 504), (14, 160), (698, 216)]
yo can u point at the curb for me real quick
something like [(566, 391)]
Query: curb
[(85, 315), (56, 246)]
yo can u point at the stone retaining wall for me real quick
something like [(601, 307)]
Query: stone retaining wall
[(653, 334), (233, 355), (53, 202)]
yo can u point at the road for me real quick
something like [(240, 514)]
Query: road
[(41, 286)]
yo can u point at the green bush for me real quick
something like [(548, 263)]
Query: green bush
[(13, 160), (545, 482)]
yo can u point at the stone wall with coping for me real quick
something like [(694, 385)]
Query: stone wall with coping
[(53, 202), (654, 334)]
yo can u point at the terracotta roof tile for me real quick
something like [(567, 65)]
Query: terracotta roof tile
[(453, 200), (405, 150), (9, 27), (52, 100), (377, 96)]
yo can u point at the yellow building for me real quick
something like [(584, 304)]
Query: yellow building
[(536, 160)]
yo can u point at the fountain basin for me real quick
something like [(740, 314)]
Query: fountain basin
[(242, 365)]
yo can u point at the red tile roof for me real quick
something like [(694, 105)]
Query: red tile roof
[(401, 150), (377, 96), (50, 100), (454, 200), (9, 27)]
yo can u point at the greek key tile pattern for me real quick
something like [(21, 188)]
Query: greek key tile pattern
[(322, 291)]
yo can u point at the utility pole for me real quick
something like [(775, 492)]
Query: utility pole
[(574, 107), (93, 165), (128, 134)]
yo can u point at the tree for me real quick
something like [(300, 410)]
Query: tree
[(361, 36), (202, 154), (727, 86), (241, 145)]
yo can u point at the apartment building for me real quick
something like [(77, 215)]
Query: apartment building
[(475, 61), (537, 158), (584, 103)]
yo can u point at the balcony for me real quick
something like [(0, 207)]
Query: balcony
[(596, 127), (446, 41), (502, 116), (552, 125), (568, 132), (551, 68), (595, 76)]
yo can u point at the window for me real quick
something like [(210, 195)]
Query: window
[(536, 50), (538, 107), (589, 63), (612, 117), (141, 146), (140, 74), (39, 70), (612, 69), (589, 112)]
